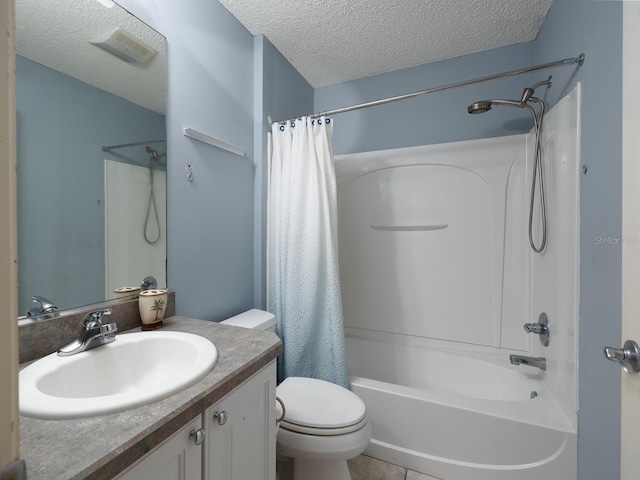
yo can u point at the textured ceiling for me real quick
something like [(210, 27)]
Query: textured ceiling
[(56, 33), (328, 42), (333, 41)]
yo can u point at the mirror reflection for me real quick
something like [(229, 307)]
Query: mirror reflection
[(91, 152)]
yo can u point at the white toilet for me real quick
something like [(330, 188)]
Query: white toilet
[(324, 425)]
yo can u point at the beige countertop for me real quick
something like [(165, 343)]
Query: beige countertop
[(101, 447)]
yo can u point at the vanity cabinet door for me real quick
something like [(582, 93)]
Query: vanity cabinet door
[(241, 433), (178, 458)]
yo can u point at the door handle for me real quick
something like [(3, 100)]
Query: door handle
[(628, 356)]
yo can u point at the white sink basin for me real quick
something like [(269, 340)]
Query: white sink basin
[(137, 369)]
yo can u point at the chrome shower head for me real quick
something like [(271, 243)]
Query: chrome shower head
[(485, 105), (527, 96), (479, 107)]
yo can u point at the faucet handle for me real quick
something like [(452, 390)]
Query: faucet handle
[(149, 283), (541, 328), (536, 328), (45, 305), (94, 319)]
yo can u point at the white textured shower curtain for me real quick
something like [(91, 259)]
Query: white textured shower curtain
[(302, 271)]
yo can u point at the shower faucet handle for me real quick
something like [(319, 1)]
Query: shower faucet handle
[(541, 328), (536, 328), (149, 283)]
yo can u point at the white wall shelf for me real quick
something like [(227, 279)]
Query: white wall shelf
[(196, 135)]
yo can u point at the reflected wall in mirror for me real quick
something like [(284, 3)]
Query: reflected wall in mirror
[(84, 212)]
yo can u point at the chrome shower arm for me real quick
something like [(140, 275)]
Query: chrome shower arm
[(546, 82), (528, 92)]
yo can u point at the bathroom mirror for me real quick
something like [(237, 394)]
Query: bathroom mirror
[(83, 211)]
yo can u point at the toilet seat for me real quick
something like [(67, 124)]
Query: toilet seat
[(292, 427), (317, 407)]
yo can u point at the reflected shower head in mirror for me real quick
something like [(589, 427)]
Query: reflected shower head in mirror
[(155, 156)]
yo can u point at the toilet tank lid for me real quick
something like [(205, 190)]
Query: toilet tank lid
[(254, 319)]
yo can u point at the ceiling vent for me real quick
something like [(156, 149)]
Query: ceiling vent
[(124, 45)]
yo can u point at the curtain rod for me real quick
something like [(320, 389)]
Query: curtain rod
[(560, 63), (112, 147)]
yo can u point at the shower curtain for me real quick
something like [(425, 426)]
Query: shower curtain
[(302, 270)]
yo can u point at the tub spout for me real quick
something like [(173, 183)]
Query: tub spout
[(538, 362)]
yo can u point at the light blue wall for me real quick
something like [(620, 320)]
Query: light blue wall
[(210, 221), (436, 118), (62, 125), (280, 92), (595, 28)]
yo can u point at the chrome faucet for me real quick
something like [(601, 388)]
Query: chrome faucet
[(94, 334), (44, 306), (538, 362)]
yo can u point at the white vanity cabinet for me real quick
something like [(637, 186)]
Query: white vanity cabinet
[(178, 458), (241, 431), (239, 441)]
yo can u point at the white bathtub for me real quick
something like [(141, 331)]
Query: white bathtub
[(460, 417)]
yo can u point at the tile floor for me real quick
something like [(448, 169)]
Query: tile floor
[(368, 468)]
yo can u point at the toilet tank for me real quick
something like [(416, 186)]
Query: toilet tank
[(255, 319)]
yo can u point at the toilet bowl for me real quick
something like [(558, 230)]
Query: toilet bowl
[(324, 424)]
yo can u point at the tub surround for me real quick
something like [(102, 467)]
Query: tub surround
[(101, 447), (438, 274), (428, 231), (40, 338)]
